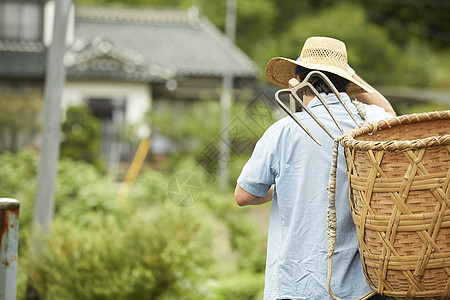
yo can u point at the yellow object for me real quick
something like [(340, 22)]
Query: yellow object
[(135, 168)]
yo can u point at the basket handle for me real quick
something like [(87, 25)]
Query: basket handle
[(332, 220)]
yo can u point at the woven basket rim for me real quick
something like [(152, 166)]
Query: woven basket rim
[(348, 139)]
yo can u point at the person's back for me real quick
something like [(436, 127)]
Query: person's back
[(297, 234)]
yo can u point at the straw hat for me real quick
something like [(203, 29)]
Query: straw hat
[(318, 53)]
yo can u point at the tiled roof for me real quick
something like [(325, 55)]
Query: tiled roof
[(22, 59), (134, 44), (169, 42), (100, 59)]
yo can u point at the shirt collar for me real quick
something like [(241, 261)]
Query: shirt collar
[(329, 99)]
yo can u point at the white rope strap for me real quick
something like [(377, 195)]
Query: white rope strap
[(361, 110), (332, 220)]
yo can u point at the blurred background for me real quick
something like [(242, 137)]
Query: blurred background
[(162, 104)]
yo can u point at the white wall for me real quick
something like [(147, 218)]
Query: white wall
[(137, 98)]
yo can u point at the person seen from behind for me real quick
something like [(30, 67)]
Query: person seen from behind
[(288, 168)]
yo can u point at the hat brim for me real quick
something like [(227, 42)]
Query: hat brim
[(280, 70)]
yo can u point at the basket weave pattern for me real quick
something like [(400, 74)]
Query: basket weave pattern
[(399, 174)]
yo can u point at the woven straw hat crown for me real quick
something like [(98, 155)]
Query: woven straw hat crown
[(318, 53), (325, 51)]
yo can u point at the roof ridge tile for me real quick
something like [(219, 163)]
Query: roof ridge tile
[(22, 46)]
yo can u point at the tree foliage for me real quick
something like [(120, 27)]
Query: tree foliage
[(371, 53), (196, 130), (408, 19), (18, 116), (82, 135)]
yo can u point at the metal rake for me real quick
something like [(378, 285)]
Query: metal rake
[(294, 92)]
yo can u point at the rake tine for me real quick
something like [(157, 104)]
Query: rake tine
[(297, 98), (327, 108), (335, 91), (293, 91), (289, 112), (329, 111)]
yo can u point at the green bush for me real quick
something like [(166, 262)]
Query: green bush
[(242, 286), (142, 248), (247, 241), (18, 180), (82, 189), (162, 253), (149, 189)]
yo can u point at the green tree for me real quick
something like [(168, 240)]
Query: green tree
[(82, 135), (18, 117), (369, 47), (411, 19)]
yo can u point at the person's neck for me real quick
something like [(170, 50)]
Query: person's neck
[(307, 99)]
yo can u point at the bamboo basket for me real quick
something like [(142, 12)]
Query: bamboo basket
[(399, 194)]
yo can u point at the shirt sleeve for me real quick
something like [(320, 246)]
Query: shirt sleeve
[(261, 169)]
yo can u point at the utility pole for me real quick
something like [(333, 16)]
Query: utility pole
[(226, 101), (49, 154)]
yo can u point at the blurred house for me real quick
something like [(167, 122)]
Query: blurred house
[(122, 62)]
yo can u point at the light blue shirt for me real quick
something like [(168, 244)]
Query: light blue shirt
[(296, 266)]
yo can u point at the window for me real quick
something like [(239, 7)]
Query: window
[(21, 20)]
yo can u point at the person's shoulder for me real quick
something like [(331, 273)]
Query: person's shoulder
[(375, 113), (279, 125), (277, 131)]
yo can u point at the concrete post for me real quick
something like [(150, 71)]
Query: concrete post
[(54, 81), (226, 101), (9, 242)]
